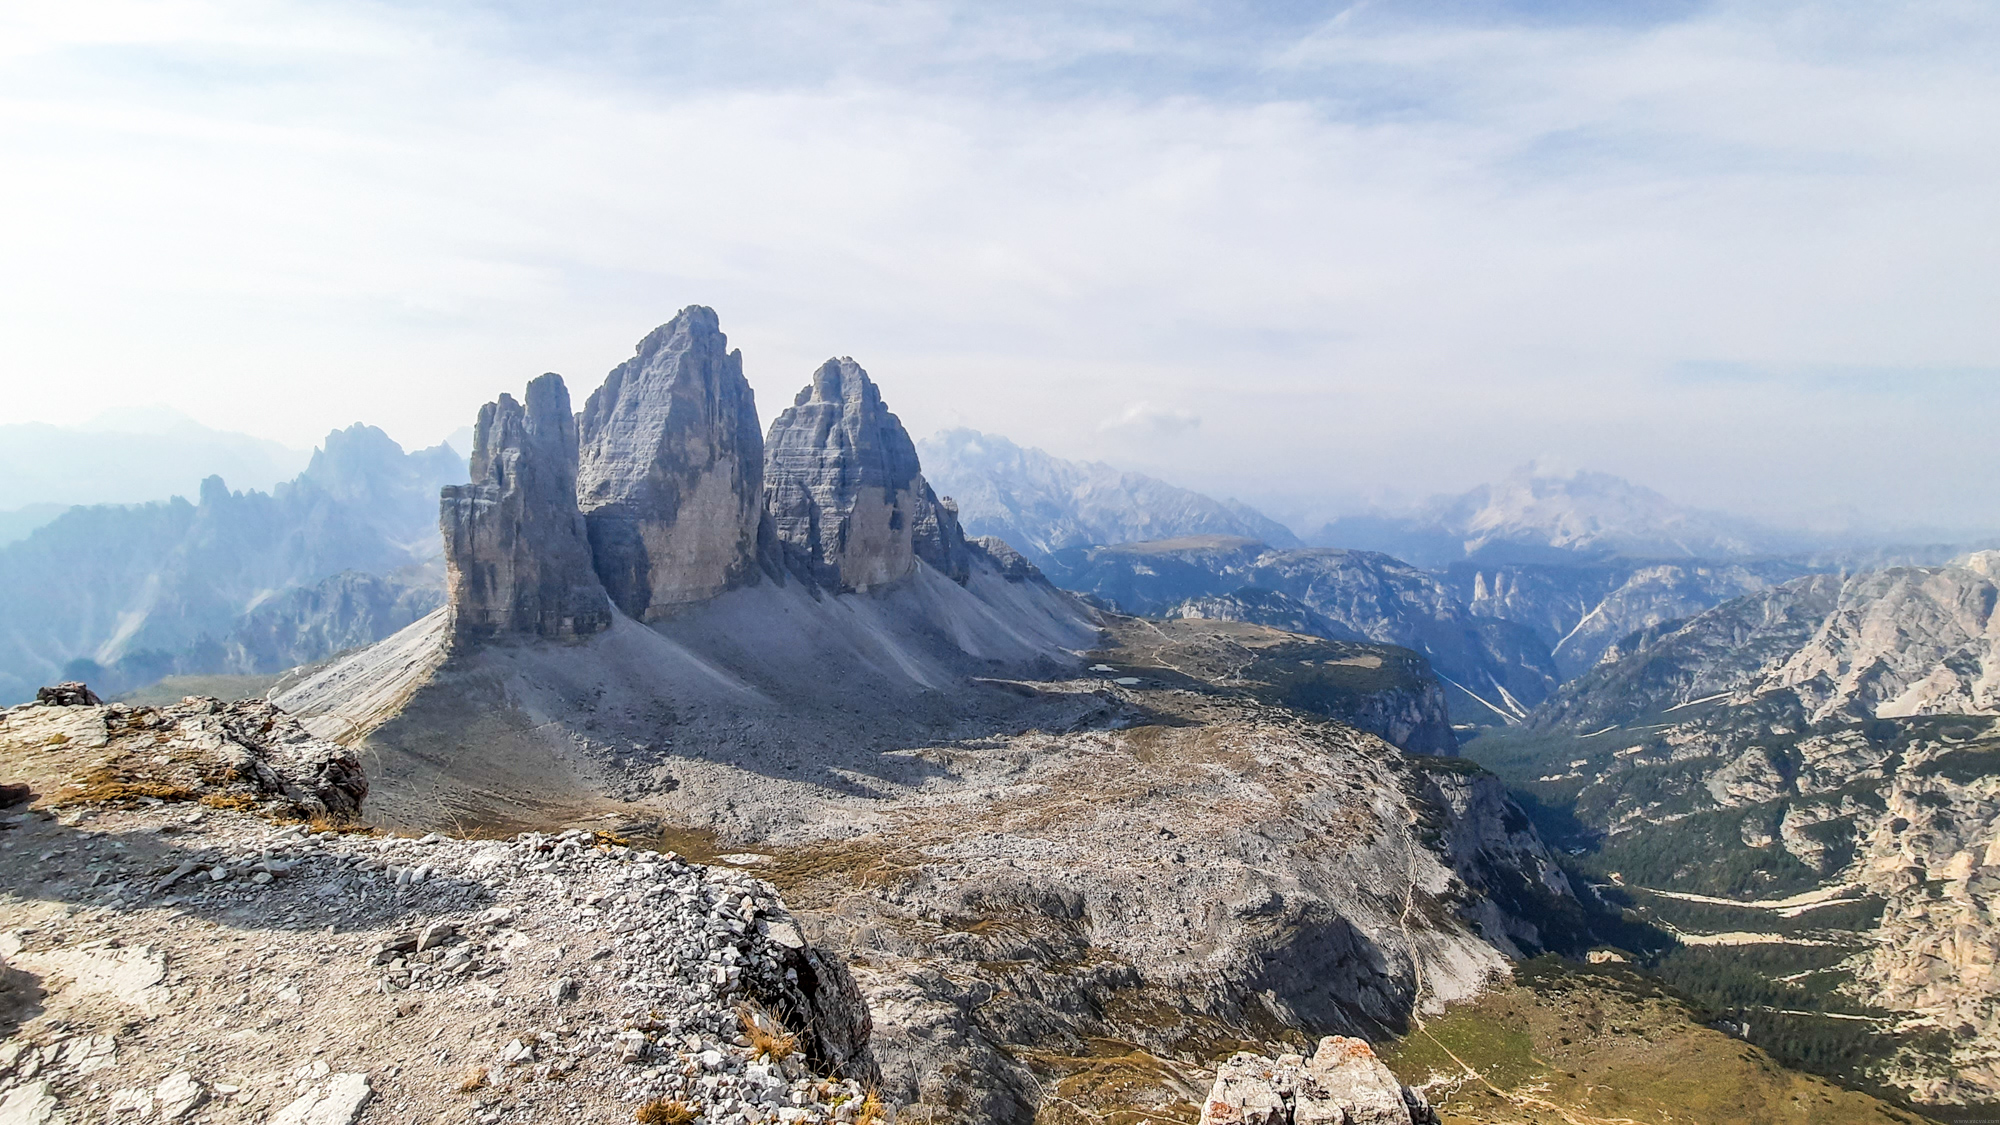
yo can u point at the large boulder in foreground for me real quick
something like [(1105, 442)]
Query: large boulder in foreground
[(671, 476), (245, 755), (516, 553), (1343, 1083), (846, 497)]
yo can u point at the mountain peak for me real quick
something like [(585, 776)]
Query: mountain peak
[(1544, 512), (1042, 504)]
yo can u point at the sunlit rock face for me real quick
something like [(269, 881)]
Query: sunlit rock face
[(516, 554), (671, 473), (847, 500)]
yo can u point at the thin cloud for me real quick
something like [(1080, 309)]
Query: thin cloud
[(1145, 418), (1370, 253)]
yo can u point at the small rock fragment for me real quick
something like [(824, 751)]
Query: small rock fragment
[(338, 1102), (178, 1094)]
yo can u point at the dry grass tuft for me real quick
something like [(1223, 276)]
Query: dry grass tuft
[(238, 802), (870, 1112), (58, 739), (475, 1077), (660, 1111), (104, 786), (766, 1037)]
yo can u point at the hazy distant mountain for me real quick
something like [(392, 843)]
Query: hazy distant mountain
[(144, 590), (16, 523), (1042, 504), (1539, 516), (1896, 642), (1493, 670), (132, 456), (1580, 610)]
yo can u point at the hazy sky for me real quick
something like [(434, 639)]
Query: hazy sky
[(1309, 254)]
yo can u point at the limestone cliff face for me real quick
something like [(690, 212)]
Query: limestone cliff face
[(1904, 641), (516, 554), (1880, 644), (848, 505), (670, 479), (1933, 854)]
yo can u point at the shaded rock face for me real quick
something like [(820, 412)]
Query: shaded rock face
[(68, 694), (847, 501), (1013, 565), (670, 477), (939, 539), (517, 557)]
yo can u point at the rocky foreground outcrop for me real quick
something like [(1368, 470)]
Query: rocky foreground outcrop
[(245, 755), (671, 473), (1343, 1083), (170, 954), (518, 557)]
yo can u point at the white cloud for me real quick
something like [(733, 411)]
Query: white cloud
[(1378, 255), (1144, 418)]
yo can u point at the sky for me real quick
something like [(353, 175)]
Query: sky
[(1318, 256)]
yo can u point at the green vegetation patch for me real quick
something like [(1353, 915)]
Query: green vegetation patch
[(1495, 1043), (1705, 854)]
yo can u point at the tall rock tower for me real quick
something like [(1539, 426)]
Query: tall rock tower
[(516, 553), (848, 505), (671, 476)]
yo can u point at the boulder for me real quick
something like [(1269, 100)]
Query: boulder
[(516, 549), (1343, 1083), (848, 506), (671, 472), (67, 694), (246, 754)]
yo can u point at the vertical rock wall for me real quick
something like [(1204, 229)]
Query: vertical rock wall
[(847, 501), (671, 474), (516, 553)]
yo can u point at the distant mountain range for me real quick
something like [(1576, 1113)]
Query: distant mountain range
[(1536, 516), (1041, 504), (240, 581), (1885, 643), (1493, 670), (131, 456), (1547, 570)]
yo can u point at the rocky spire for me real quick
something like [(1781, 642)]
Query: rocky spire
[(515, 547), (671, 474), (847, 501)]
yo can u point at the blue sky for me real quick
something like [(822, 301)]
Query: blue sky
[(1314, 255)]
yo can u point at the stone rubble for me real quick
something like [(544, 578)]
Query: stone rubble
[(613, 977)]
